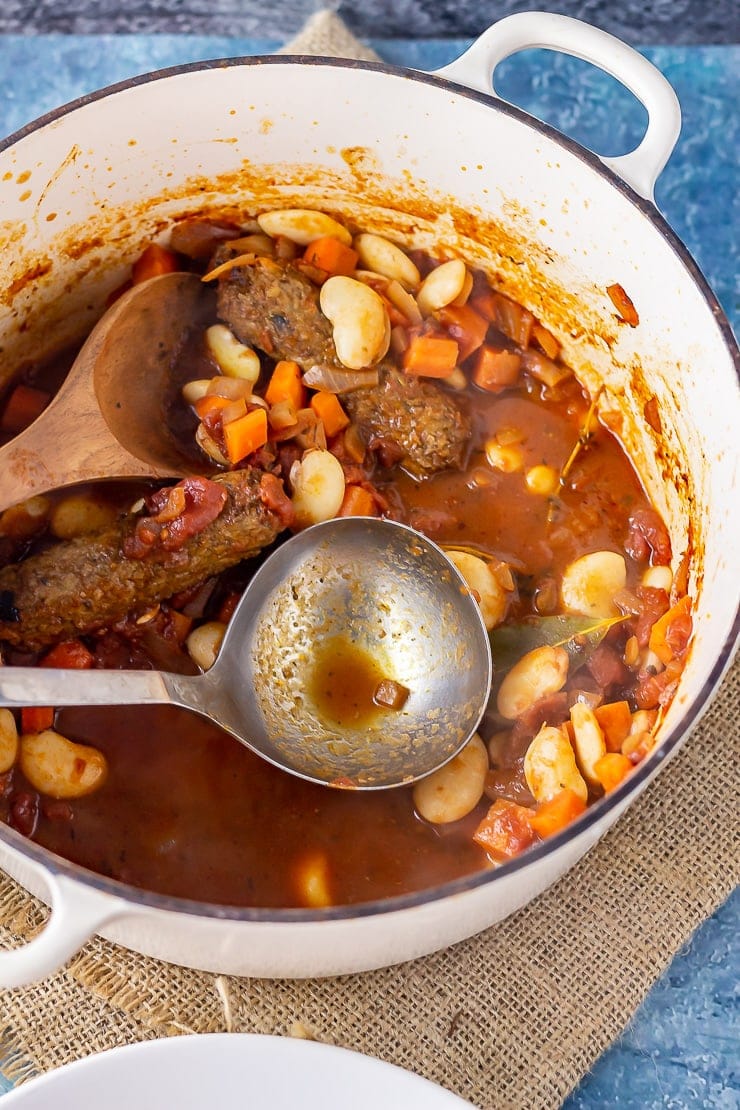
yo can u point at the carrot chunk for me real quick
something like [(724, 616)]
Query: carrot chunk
[(623, 304), (506, 830), (71, 654), (670, 634), (24, 405), (36, 718), (329, 410), (286, 384), (245, 434), (466, 326), (357, 501), (331, 256), (557, 813), (615, 720), (155, 260), (430, 356), (612, 769), (211, 403), (496, 368)]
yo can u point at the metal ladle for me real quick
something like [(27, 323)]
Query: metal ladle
[(108, 419), (381, 587)]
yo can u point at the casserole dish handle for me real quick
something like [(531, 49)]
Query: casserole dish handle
[(77, 913), (542, 30)]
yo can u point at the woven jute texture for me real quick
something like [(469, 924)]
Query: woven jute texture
[(510, 1019)]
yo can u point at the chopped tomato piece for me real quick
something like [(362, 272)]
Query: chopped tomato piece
[(496, 368), (286, 384), (612, 769), (546, 340), (71, 654), (466, 326), (557, 813), (36, 718), (154, 261), (330, 255), (23, 406), (430, 356), (506, 830), (329, 410)]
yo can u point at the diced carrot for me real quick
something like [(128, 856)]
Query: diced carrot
[(612, 769), (286, 384), (71, 654), (211, 403), (330, 255), (329, 410), (546, 340), (466, 326), (245, 434), (671, 633), (23, 406), (557, 813), (37, 718), (496, 368), (430, 356), (506, 830), (155, 260), (623, 304), (614, 720), (358, 501)]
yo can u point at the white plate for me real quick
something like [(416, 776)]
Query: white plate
[(230, 1071)]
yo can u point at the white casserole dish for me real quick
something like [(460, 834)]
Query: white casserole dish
[(83, 188)]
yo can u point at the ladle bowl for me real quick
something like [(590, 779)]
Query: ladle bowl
[(108, 420), (365, 597)]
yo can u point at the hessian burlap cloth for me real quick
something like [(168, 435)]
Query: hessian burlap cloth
[(512, 1018)]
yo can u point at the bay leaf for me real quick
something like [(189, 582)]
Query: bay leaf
[(580, 636)]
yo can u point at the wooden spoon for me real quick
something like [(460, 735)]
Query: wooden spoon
[(108, 419)]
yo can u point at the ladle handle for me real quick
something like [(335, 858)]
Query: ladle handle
[(28, 686)]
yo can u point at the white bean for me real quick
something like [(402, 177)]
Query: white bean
[(384, 257), (8, 740), (208, 444), (491, 595), (588, 740), (506, 457), (204, 642), (361, 327), (302, 225), (79, 514), (313, 880), (658, 578), (542, 480), (317, 481), (59, 767), (550, 766), (455, 789), (234, 359), (590, 583), (540, 672), (441, 286), (195, 390)]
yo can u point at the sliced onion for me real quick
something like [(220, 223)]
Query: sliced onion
[(334, 380)]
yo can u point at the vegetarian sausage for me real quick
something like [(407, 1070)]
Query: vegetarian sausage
[(272, 305), (87, 583)]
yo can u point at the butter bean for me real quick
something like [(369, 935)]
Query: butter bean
[(361, 328), (384, 257), (442, 286), (455, 789), (590, 583), (317, 481), (490, 594), (8, 740), (234, 359), (588, 740), (550, 766), (302, 225), (59, 767), (204, 642), (540, 672)]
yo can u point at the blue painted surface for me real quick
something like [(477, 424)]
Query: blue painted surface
[(682, 1048)]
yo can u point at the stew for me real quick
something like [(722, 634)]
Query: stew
[(341, 374)]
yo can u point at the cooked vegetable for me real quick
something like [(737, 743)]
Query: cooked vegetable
[(60, 768), (455, 789), (361, 331), (331, 255)]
